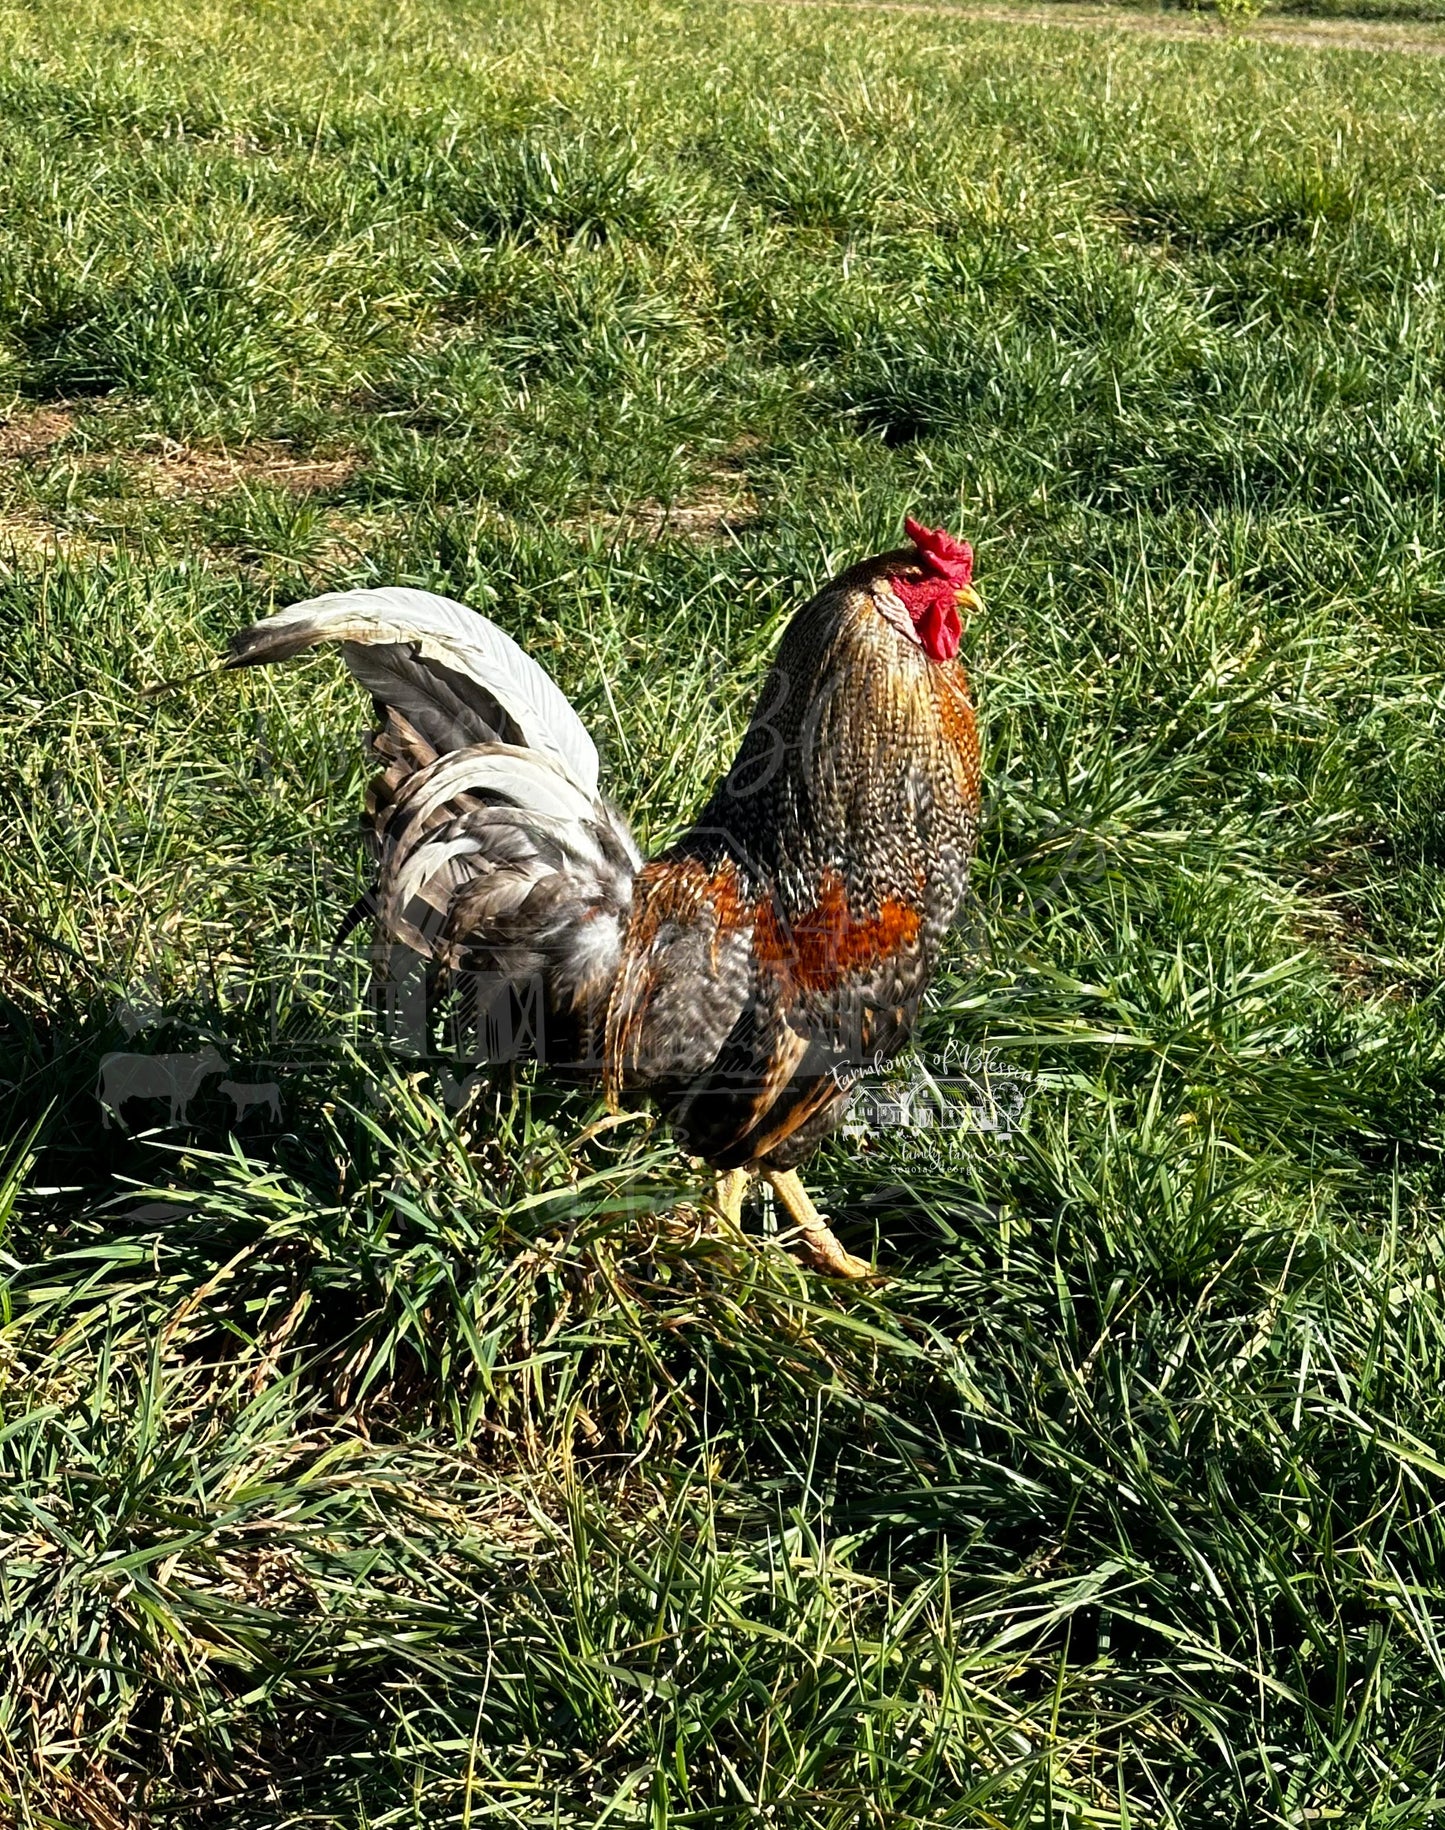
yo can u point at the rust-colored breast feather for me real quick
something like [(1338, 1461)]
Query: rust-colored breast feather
[(828, 943), (680, 903)]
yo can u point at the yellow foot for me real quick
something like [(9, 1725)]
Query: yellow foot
[(815, 1236), (732, 1186)]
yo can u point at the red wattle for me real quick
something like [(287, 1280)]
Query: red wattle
[(933, 605)]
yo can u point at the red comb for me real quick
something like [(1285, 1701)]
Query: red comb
[(941, 554)]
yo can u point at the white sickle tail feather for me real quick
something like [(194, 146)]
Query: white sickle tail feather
[(495, 853), (453, 674)]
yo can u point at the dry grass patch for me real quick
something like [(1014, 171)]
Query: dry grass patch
[(180, 471), (25, 533), (724, 507), (177, 470), (32, 434)]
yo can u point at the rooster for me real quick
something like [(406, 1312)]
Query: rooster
[(742, 977)]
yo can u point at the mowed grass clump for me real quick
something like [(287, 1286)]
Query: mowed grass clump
[(384, 1442)]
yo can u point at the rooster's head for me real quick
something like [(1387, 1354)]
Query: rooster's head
[(928, 588)]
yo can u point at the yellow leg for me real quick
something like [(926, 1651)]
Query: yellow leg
[(732, 1186), (814, 1233)]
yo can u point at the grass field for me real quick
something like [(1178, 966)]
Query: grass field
[(410, 1460)]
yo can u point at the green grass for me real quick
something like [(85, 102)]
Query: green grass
[(416, 1463)]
